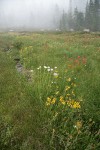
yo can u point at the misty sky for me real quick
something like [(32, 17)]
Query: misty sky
[(34, 13)]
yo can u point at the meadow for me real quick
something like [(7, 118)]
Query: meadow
[(49, 91)]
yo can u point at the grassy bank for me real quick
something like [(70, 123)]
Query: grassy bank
[(53, 103)]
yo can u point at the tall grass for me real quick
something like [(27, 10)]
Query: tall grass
[(53, 104)]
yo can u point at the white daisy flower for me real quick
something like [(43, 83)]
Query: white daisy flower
[(31, 70), (55, 74), (51, 69), (45, 67), (48, 69)]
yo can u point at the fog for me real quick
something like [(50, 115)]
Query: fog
[(34, 14)]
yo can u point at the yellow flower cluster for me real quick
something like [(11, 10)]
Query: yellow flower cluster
[(70, 103), (62, 100), (50, 101), (67, 98), (67, 88), (73, 104)]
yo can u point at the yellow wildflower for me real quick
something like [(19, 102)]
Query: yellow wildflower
[(48, 99), (76, 105), (67, 95), (61, 97), (73, 84), (73, 104), (69, 79), (62, 100), (53, 101), (48, 102), (73, 93), (67, 88), (70, 103), (79, 124)]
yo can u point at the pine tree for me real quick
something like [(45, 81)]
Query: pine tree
[(78, 20), (63, 21), (57, 16), (92, 15)]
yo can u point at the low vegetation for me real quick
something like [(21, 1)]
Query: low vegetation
[(50, 91)]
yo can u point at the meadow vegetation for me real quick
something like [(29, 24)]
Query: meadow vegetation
[(53, 103)]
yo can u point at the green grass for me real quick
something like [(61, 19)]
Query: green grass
[(33, 116)]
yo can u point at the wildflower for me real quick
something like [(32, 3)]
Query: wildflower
[(73, 104), (67, 95), (39, 67), (62, 100), (77, 61), (78, 124), (76, 105), (48, 69), (73, 93), (55, 67), (69, 79), (78, 57), (73, 84), (67, 88), (48, 102), (31, 70), (48, 99), (53, 101), (70, 103), (61, 97), (51, 69), (45, 67), (55, 75), (53, 82), (75, 126)]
